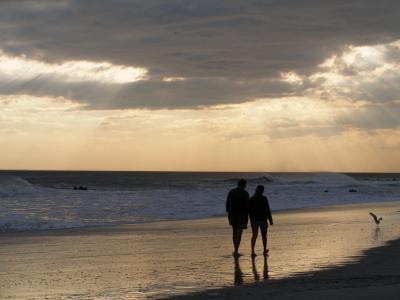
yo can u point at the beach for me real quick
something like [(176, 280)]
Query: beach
[(132, 130), (313, 252), (374, 276)]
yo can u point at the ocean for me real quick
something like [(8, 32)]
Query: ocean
[(41, 200)]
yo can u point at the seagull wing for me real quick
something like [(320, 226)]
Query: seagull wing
[(374, 216)]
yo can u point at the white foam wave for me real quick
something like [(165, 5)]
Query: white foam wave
[(25, 206), (300, 178), (316, 178), (265, 179), (13, 186), (23, 222)]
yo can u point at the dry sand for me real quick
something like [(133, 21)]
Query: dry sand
[(329, 252)]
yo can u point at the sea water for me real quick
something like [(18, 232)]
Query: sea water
[(39, 200)]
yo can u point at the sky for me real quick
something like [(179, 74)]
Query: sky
[(200, 85)]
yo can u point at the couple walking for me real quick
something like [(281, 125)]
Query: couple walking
[(239, 207)]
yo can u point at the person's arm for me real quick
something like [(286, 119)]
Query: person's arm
[(247, 202), (269, 215), (229, 202)]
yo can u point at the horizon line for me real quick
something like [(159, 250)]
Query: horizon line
[(189, 171)]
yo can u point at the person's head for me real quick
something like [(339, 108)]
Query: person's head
[(259, 189), (242, 183)]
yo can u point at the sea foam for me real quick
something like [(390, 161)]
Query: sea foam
[(47, 200)]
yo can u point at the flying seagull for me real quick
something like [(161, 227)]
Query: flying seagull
[(377, 221)]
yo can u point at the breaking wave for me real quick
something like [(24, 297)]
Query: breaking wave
[(14, 186), (47, 200)]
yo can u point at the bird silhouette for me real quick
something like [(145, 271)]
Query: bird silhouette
[(376, 219)]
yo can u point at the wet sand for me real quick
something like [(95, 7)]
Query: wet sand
[(314, 253), (375, 275)]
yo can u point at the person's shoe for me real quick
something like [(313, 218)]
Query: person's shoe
[(253, 254), (266, 252)]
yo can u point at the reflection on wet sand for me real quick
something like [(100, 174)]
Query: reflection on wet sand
[(265, 269), (254, 268), (239, 277), (238, 274), (377, 234), (128, 259)]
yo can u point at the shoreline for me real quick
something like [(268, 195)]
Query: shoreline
[(171, 258), (275, 212)]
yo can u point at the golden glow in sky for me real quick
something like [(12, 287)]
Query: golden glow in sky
[(292, 135), (70, 71), (322, 130)]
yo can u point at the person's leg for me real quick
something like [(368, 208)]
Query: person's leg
[(254, 229), (236, 237), (264, 229)]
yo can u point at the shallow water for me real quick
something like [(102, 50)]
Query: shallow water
[(39, 200), (167, 258)]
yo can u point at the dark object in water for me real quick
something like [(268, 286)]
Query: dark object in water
[(81, 188), (326, 191), (352, 191)]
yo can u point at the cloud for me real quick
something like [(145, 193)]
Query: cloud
[(24, 69), (366, 73), (151, 94), (226, 51), (371, 117), (241, 39)]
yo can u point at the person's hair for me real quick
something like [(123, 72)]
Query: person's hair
[(259, 189), (242, 183)]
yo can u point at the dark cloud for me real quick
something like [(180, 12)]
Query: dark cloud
[(198, 38), (215, 44), (151, 94)]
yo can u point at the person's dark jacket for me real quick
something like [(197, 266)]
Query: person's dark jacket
[(259, 209), (237, 202)]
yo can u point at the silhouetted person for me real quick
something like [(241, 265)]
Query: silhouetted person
[(260, 214), (237, 208)]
